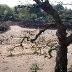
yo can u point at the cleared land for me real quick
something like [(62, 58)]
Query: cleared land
[(23, 58)]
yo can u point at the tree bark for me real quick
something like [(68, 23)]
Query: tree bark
[(61, 58)]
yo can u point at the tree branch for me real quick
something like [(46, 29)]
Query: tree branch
[(37, 1), (61, 32), (32, 40), (61, 58), (49, 9), (42, 30), (50, 51)]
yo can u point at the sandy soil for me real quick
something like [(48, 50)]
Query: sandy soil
[(24, 58)]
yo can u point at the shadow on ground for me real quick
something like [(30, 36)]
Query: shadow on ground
[(29, 24)]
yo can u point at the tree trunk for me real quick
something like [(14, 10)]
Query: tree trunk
[(61, 58)]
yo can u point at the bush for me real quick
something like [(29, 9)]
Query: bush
[(34, 67), (3, 28)]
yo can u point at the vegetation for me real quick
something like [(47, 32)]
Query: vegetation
[(34, 67), (33, 12)]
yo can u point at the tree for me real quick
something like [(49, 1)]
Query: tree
[(6, 13), (59, 7), (64, 41)]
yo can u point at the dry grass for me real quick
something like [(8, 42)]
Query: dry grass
[(14, 58)]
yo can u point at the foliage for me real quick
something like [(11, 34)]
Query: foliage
[(34, 67), (64, 13), (33, 12), (6, 12), (59, 7)]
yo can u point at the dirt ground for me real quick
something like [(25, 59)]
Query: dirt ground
[(23, 58)]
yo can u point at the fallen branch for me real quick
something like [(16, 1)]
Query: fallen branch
[(50, 51), (53, 47)]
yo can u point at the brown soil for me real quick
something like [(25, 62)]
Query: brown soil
[(23, 58)]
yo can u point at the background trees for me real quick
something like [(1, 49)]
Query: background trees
[(6, 12), (33, 12)]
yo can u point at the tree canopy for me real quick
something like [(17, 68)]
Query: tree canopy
[(34, 13)]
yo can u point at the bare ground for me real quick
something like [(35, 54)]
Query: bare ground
[(23, 58)]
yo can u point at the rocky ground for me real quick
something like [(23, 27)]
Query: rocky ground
[(14, 58)]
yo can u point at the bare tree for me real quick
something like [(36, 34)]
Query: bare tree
[(64, 41)]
